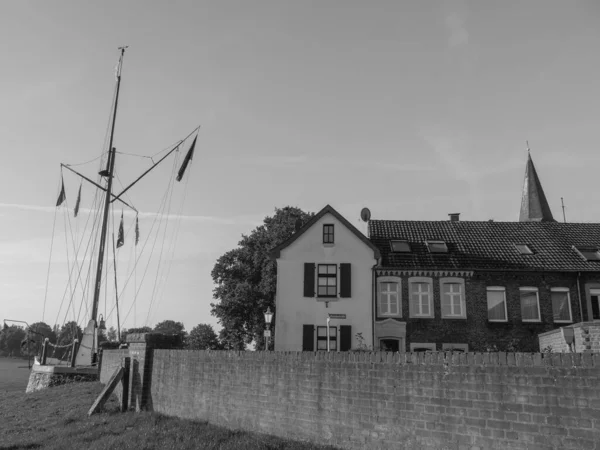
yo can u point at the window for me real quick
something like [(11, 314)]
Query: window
[(561, 304), (453, 298), (436, 246), (422, 347), (496, 302), (595, 298), (530, 305), (389, 299), (455, 347), (322, 338), (389, 345), (524, 249), (421, 297), (328, 234), (327, 280), (400, 246), (588, 253)]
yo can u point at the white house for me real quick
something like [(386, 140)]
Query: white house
[(324, 270)]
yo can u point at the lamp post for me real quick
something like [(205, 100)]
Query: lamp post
[(268, 318)]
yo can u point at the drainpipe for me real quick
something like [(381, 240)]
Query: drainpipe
[(373, 301), (579, 297)]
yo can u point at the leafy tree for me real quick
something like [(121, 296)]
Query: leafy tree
[(203, 337), (39, 331), (67, 334), (112, 334), (246, 279), (10, 340)]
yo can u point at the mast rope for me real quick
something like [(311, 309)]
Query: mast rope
[(158, 266), (87, 162), (50, 258)]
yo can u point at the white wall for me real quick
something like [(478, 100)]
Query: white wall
[(294, 310)]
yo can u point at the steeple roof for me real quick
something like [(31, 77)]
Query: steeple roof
[(534, 206)]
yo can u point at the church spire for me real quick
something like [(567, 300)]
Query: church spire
[(534, 206)]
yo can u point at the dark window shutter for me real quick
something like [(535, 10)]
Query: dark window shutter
[(345, 338), (309, 279), (595, 307), (308, 338), (345, 280)]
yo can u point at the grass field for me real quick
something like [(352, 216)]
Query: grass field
[(14, 374), (56, 418)]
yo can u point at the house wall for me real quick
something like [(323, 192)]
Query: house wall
[(586, 338), (293, 310), (378, 400), (476, 330)]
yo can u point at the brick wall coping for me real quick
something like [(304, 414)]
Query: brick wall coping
[(567, 360), (573, 325)]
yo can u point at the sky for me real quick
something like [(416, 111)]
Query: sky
[(412, 109)]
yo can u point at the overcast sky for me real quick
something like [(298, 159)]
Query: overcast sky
[(414, 109)]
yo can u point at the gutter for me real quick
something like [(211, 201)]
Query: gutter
[(579, 297)]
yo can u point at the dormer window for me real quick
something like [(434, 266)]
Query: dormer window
[(588, 253), (437, 246), (328, 237), (524, 249), (400, 246)]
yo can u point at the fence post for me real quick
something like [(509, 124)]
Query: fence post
[(126, 364), (44, 352), (74, 352)]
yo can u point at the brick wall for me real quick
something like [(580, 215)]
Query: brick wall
[(381, 400), (476, 330), (586, 338)]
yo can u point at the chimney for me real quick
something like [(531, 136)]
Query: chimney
[(454, 217)]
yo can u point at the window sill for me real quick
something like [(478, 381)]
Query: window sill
[(497, 321), (564, 321), (454, 317), (328, 245), (531, 321), (389, 316), (421, 317), (327, 299)]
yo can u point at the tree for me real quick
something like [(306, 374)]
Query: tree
[(203, 337), (39, 331), (246, 279), (67, 334), (10, 340), (112, 334)]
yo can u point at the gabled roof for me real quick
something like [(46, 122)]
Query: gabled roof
[(487, 245), (534, 206), (276, 252)]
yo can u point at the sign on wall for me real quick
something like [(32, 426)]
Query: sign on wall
[(337, 316)]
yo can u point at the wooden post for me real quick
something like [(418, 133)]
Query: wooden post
[(126, 364), (44, 352), (74, 352)]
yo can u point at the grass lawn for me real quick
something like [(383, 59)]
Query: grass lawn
[(56, 418), (14, 375)]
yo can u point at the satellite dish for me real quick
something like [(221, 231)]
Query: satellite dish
[(298, 224), (365, 214)]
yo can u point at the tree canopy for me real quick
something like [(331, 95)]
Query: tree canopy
[(246, 279), (203, 337), (10, 340)]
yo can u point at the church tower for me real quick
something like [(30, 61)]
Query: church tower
[(534, 206)]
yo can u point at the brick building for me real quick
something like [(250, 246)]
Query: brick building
[(469, 285)]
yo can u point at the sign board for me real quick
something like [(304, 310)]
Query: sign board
[(267, 333), (337, 316)]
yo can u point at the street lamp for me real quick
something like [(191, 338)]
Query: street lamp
[(268, 318)]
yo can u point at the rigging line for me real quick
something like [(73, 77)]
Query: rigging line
[(126, 194), (50, 259), (87, 162), (140, 256), (177, 229), (168, 208), (172, 181)]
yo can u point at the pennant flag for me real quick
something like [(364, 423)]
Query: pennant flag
[(137, 231), (121, 238), (78, 201), (186, 160), (62, 196)]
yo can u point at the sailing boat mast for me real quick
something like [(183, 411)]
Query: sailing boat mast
[(108, 173)]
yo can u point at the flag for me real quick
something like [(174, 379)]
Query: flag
[(137, 231), (62, 196), (121, 238), (186, 160), (77, 202)]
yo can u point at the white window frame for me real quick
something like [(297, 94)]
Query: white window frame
[(537, 295), (429, 345), (496, 289), (449, 347), (568, 291), (389, 279), (463, 309), (412, 313)]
